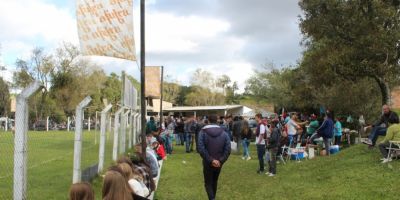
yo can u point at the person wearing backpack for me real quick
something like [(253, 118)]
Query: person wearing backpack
[(214, 148), (260, 142), (273, 147), (325, 131)]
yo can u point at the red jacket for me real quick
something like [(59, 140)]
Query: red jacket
[(161, 151)]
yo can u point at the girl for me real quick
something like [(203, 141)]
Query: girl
[(81, 191), (115, 187), (134, 182), (246, 134)]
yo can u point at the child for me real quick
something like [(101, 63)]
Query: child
[(81, 191), (338, 131), (273, 146), (159, 149), (137, 187)]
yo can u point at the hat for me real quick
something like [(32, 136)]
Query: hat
[(313, 116)]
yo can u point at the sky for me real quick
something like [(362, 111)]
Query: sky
[(232, 37)]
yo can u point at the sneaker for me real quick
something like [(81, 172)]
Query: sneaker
[(386, 160), (367, 142), (268, 173), (248, 158), (271, 175), (382, 159), (243, 158), (260, 172)]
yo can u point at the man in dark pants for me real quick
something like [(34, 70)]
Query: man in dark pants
[(388, 118), (214, 148), (260, 142)]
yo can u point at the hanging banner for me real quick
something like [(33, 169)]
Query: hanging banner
[(153, 82), (105, 28)]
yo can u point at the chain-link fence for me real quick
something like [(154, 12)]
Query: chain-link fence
[(39, 159)]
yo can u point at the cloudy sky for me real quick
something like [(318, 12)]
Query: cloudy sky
[(231, 37)]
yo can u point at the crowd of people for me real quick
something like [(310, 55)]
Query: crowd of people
[(212, 137), (132, 177)]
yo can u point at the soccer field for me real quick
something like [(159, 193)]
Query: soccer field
[(50, 162)]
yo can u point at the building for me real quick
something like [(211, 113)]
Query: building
[(199, 111)]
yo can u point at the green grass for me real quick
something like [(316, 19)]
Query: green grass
[(354, 173), (50, 162)]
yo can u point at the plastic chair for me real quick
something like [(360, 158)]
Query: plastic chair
[(393, 147)]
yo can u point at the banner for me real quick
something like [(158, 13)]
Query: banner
[(105, 28), (153, 82)]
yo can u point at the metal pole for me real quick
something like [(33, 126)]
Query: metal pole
[(88, 122), (103, 124), (161, 95), (142, 76), (20, 141), (122, 146), (78, 139), (130, 129)]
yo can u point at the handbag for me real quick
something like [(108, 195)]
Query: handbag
[(233, 146)]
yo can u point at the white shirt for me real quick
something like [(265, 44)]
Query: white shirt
[(138, 187), (262, 132), (292, 127)]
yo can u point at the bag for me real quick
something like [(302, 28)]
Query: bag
[(233, 146)]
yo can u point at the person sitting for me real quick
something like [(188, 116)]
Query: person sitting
[(159, 149), (81, 191), (388, 117), (115, 187), (141, 166), (393, 133), (138, 188)]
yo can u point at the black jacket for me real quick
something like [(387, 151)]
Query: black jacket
[(274, 140), (390, 118), (214, 144)]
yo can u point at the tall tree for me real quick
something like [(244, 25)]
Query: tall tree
[(354, 39), (4, 98)]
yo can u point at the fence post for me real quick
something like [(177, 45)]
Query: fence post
[(78, 139), (47, 124), (116, 126), (20, 141), (103, 125), (68, 123), (122, 143), (6, 125), (136, 119), (89, 122)]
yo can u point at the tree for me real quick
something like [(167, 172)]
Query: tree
[(223, 83), (4, 98), (354, 39), (171, 92)]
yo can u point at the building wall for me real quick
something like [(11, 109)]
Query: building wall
[(395, 97), (156, 105)]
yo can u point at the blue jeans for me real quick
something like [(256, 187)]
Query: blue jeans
[(377, 131), (182, 138), (246, 144), (292, 139), (189, 142), (168, 144), (260, 155)]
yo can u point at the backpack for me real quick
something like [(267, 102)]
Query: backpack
[(258, 130)]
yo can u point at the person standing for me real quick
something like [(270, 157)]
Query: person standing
[(214, 148), (246, 136), (338, 131), (292, 127), (388, 117), (325, 131), (273, 146), (260, 142), (237, 127), (151, 126)]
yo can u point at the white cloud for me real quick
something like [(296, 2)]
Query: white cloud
[(31, 23)]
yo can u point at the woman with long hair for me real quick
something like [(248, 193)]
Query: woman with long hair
[(115, 187), (246, 134), (81, 191), (134, 180)]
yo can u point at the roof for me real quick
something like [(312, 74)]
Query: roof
[(198, 108)]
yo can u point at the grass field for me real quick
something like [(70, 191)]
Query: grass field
[(354, 173), (50, 162)]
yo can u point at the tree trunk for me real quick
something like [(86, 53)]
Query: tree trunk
[(385, 90)]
